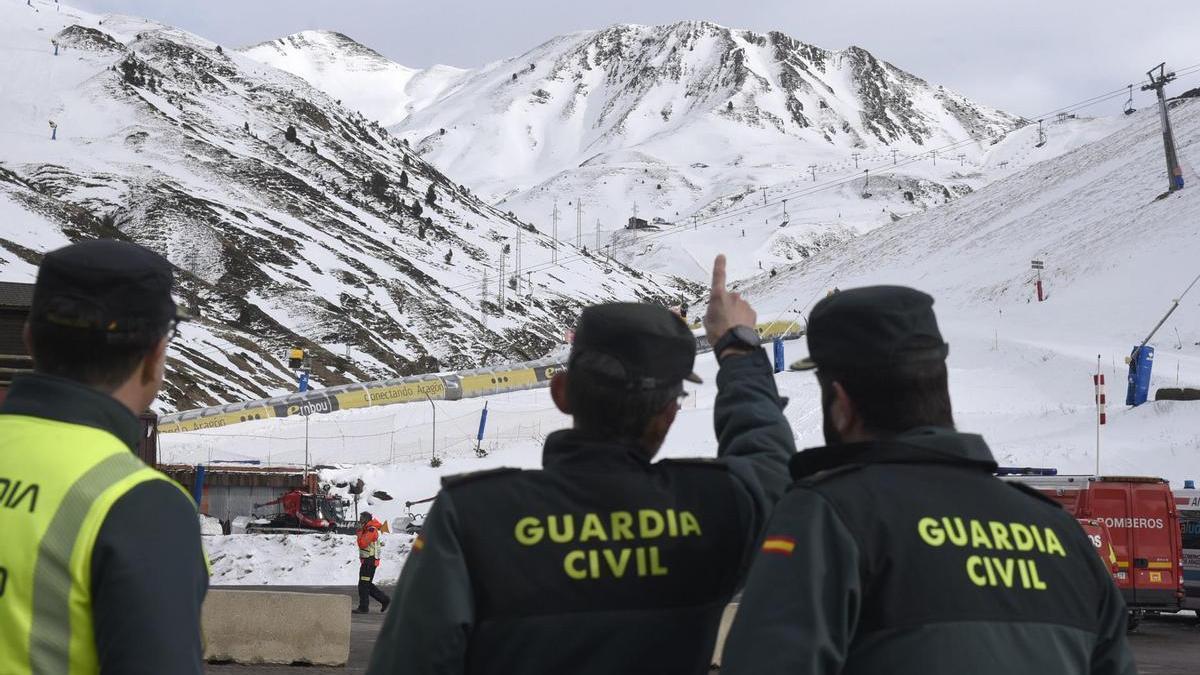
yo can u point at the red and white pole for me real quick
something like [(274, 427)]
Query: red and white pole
[(1101, 408)]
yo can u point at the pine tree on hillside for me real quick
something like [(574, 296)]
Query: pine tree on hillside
[(403, 180), (430, 195), (379, 185), (420, 229), (219, 50), (729, 107), (290, 134), (128, 71), (246, 127), (416, 208), (449, 255)]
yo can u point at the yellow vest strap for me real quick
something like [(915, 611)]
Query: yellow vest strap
[(50, 634)]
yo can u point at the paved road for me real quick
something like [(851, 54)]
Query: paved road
[(1163, 646)]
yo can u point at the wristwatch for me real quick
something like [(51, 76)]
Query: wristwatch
[(743, 337)]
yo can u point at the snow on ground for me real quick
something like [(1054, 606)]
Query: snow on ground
[(299, 559), (1020, 371)]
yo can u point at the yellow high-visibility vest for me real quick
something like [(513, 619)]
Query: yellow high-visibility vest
[(57, 483)]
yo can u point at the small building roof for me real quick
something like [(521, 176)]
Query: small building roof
[(15, 295)]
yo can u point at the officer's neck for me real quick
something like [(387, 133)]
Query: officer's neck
[(134, 395)]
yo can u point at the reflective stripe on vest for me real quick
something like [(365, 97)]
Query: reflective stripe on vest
[(61, 481), (50, 631)]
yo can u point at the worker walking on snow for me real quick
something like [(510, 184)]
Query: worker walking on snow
[(603, 561), (101, 568), (897, 550), (368, 559)]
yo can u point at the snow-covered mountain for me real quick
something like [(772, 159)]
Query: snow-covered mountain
[(291, 219), (665, 121), (356, 75)]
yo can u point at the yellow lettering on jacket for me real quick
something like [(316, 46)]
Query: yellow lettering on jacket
[(997, 571)]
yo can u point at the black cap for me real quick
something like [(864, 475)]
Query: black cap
[(873, 327), (634, 345), (114, 287)]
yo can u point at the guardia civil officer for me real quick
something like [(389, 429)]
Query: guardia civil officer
[(897, 550), (101, 568), (603, 561)]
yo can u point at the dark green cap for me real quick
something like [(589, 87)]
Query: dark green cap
[(634, 346), (114, 288), (873, 327)]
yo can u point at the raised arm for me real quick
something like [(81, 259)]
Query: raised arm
[(753, 436)]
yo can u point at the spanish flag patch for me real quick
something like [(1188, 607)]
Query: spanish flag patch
[(779, 544), (418, 543)]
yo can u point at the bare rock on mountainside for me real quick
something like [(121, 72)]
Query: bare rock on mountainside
[(169, 142)]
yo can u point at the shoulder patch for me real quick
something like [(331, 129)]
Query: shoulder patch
[(1032, 492), (458, 479)]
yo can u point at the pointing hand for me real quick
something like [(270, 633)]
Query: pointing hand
[(725, 310)]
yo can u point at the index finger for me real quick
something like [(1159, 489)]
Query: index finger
[(718, 278)]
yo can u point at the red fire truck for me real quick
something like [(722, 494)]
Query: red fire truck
[(1143, 520)]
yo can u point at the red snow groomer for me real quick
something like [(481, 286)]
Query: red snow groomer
[(301, 512), (1140, 514)]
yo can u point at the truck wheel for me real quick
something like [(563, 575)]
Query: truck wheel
[(1135, 620)]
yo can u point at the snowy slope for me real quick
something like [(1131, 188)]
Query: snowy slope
[(168, 140), (356, 75), (690, 119), (1020, 371)]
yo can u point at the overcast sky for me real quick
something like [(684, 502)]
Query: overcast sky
[(1024, 56)]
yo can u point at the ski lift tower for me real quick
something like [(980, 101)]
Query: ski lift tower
[(1157, 83)]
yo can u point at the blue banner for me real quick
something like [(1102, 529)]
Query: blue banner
[(198, 488), (303, 382), (780, 361), (1141, 362)]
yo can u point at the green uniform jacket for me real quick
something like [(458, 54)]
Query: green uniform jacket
[(601, 562), (909, 556)]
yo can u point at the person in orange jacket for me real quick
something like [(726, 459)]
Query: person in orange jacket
[(368, 559)]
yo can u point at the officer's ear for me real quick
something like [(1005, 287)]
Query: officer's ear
[(843, 413), (558, 392), (154, 366)]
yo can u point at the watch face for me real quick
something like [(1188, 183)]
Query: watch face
[(747, 335)]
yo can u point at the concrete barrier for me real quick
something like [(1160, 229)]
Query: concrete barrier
[(723, 632), (276, 627)]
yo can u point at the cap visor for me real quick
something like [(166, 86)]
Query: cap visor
[(803, 364), (694, 379)]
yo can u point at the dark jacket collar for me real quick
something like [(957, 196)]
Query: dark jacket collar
[(63, 400), (571, 449), (924, 445)]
